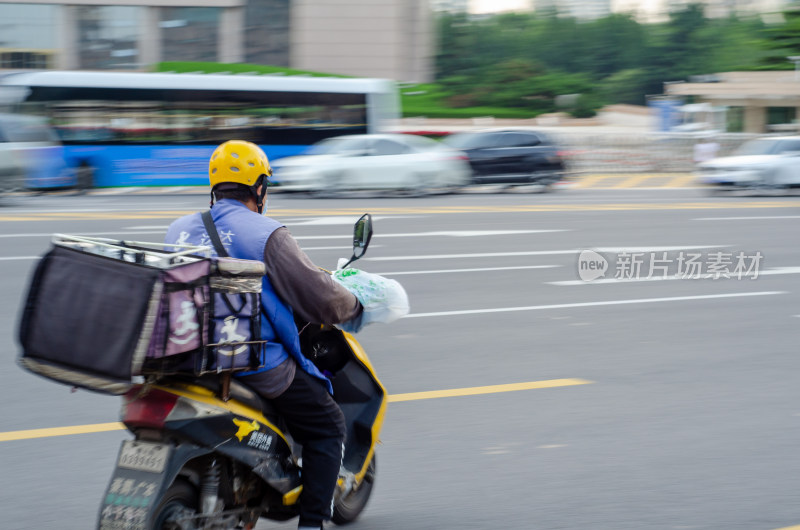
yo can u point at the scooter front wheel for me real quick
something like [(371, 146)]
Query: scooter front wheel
[(179, 502), (347, 509)]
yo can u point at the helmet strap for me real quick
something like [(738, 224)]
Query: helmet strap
[(260, 198)]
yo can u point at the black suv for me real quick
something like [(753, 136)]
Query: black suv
[(510, 156)]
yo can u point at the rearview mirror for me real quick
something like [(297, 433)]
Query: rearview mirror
[(362, 234)]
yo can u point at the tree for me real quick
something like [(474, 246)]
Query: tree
[(782, 41), (687, 48), (626, 86), (618, 43), (525, 60), (456, 43)]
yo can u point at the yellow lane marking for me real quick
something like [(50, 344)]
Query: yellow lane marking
[(520, 208), (633, 181), (590, 180), (796, 527), (493, 389), (682, 182), (59, 431), (413, 396)]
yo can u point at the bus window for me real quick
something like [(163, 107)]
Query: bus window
[(159, 129)]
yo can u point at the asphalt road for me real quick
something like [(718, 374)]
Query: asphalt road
[(687, 414)]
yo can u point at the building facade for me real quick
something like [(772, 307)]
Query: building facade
[(579, 9), (753, 102), (450, 6), (391, 39)]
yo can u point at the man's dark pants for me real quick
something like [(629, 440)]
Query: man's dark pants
[(316, 422)]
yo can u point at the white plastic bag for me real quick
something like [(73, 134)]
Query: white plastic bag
[(384, 300)]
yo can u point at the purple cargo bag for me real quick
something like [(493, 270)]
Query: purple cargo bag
[(102, 314)]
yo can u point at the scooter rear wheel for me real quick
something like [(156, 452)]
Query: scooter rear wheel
[(347, 509), (179, 501)]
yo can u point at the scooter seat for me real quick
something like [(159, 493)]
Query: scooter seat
[(238, 391)]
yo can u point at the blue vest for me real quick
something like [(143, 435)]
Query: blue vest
[(244, 235)]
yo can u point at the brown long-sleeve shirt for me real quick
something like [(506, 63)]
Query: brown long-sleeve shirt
[(312, 293)]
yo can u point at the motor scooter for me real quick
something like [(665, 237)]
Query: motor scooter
[(208, 453)]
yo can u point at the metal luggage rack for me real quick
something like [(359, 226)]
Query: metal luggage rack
[(141, 252), (157, 255)]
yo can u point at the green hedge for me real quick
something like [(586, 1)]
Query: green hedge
[(416, 100), (185, 67)]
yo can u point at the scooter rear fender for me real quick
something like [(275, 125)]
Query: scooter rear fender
[(230, 427)]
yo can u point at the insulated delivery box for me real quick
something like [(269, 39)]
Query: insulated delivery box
[(100, 312)]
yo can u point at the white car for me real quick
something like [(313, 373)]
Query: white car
[(374, 162), (770, 162), (31, 155)]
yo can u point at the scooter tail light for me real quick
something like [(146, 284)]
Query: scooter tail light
[(147, 408)]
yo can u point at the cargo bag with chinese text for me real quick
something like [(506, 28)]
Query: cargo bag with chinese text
[(99, 313)]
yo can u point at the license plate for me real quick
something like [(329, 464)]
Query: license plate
[(143, 456)]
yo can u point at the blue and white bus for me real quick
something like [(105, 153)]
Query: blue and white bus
[(158, 129)]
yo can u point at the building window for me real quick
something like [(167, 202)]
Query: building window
[(189, 33), (108, 37), (267, 32), (27, 35), (781, 115), (734, 118), (26, 59)]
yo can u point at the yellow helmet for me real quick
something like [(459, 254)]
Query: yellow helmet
[(239, 162)]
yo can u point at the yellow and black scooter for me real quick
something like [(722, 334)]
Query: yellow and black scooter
[(209, 453)]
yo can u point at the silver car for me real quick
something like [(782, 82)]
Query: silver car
[(31, 155), (769, 162), (374, 162)]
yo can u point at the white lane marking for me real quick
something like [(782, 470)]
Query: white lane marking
[(171, 190), (471, 233), (475, 255), (116, 191), (331, 248), (404, 273), (747, 218), (446, 233), (164, 227), (770, 272), (540, 253), (340, 236), (590, 304), (654, 249), (341, 220), (14, 258)]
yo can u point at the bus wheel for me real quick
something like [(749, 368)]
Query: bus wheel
[(85, 178)]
